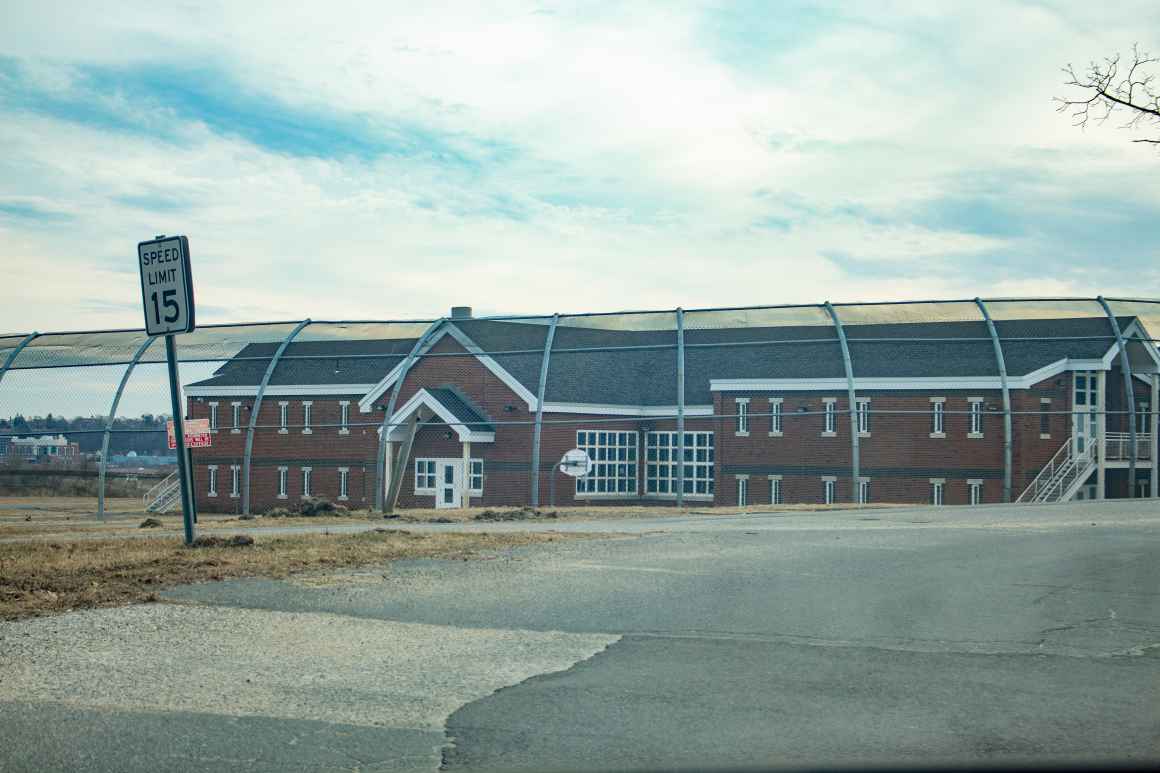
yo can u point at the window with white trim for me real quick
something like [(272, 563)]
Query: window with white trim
[(306, 406), (283, 474), (775, 490), (235, 481), (742, 490), (775, 416), (307, 473), (344, 483), (863, 491), (613, 455), (975, 490), (862, 414), (976, 416), (938, 414), (830, 416), (829, 490), (661, 470), (283, 417), (937, 490), (236, 416), (742, 416), (212, 480), (344, 417), (475, 477), (424, 476), (213, 417)]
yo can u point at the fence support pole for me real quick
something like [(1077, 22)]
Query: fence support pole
[(540, 392), (855, 446), (11, 358), (257, 409), (1001, 361), (1129, 394), (381, 503), (680, 407), (109, 425)]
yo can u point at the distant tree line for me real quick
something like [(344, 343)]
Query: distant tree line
[(145, 434)]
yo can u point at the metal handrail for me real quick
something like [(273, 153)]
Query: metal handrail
[(1047, 473), (1119, 444), (155, 492)]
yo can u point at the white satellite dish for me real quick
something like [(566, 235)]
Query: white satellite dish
[(575, 463)]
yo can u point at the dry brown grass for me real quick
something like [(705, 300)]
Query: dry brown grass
[(39, 578)]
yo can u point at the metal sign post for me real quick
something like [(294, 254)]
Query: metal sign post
[(167, 298)]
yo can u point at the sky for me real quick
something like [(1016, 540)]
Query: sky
[(389, 160)]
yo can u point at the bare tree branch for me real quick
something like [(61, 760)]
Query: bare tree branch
[(1106, 91)]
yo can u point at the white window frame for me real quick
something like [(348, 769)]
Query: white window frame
[(236, 417), (425, 476), (307, 479), (975, 427), (344, 417), (938, 491), (212, 482), (283, 417), (213, 417), (829, 489), (615, 457), (863, 491), (862, 414), (306, 411), (938, 421), (775, 405), (742, 417), (343, 484), (283, 481), (775, 494), (235, 481), (474, 477), (975, 491), (1045, 410), (829, 416), (742, 490), (661, 466)]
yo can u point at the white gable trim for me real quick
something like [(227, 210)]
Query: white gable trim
[(251, 390), (449, 329), (423, 398)]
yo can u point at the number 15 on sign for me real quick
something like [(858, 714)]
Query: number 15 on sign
[(166, 285)]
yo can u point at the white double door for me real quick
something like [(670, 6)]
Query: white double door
[(448, 483)]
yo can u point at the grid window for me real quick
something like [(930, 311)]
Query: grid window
[(743, 416), (344, 418), (212, 480), (831, 417), (937, 490), (829, 491), (775, 417), (425, 476), (775, 491), (306, 417), (306, 475), (864, 491), (283, 474), (976, 417), (475, 477), (742, 491), (237, 417), (213, 416), (1045, 417), (863, 416), (613, 456), (283, 416), (975, 488), (235, 480), (661, 469), (938, 416), (343, 483)]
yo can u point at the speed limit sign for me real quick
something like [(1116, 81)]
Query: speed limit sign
[(166, 285)]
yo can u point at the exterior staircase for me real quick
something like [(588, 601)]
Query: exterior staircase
[(164, 496), (1062, 477)]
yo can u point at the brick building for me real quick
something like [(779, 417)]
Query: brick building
[(767, 415)]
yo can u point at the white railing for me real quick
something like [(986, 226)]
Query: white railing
[(163, 496), (1062, 475), (1119, 446)]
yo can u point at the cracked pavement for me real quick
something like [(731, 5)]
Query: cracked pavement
[(928, 635)]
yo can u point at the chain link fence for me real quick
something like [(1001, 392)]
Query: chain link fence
[(824, 403)]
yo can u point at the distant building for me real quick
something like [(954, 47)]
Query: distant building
[(46, 448)]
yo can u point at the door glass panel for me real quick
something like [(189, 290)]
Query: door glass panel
[(449, 475), (447, 495)]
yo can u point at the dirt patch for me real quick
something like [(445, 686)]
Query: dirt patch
[(516, 514), (40, 578), (150, 523)]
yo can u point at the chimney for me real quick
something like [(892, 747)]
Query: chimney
[(461, 312)]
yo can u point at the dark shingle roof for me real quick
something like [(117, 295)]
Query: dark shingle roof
[(457, 403), (642, 371)]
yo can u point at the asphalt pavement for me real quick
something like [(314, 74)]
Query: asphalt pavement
[(918, 635)]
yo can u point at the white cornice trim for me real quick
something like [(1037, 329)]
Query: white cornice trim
[(423, 398), (251, 390), (627, 410)]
